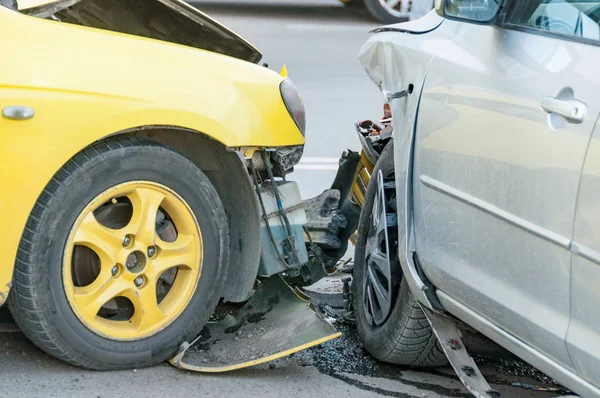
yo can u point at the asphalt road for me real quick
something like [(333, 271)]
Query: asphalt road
[(318, 41)]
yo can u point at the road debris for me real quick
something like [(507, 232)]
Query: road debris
[(274, 323)]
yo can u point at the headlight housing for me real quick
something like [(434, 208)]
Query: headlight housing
[(294, 104)]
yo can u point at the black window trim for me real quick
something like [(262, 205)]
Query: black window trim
[(490, 22), (499, 20), (503, 24), (552, 35)]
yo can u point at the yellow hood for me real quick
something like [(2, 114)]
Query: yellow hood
[(168, 20)]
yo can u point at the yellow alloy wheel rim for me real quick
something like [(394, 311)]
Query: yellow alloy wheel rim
[(115, 275)]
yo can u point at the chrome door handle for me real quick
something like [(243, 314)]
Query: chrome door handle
[(571, 109)]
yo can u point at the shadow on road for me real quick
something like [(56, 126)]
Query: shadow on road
[(289, 10)]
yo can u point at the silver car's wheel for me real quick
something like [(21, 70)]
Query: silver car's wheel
[(394, 8), (391, 324), (378, 284), (389, 11)]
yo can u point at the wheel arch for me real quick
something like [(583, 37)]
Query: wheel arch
[(228, 174), (398, 63), (224, 168)]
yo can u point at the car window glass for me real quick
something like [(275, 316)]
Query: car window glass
[(473, 10), (575, 18)]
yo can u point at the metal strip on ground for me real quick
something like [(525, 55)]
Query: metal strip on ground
[(275, 323), (465, 367)]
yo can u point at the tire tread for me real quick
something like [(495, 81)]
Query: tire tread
[(22, 302), (406, 338)]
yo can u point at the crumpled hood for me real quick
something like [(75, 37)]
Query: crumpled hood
[(167, 20), (398, 55)]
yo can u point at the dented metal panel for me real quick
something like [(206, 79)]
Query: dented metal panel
[(397, 61)]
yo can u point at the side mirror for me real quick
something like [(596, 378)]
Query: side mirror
[(478, 11), (439, 7)]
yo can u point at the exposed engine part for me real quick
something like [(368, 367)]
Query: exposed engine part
[(285, 159), (317, 256), (348, 296), (283, 244), (282, 160), (264, 214), (343, 182), (325, 220), (256, 162), (289, 244), (318, 266), (332, 218), (373, 137)]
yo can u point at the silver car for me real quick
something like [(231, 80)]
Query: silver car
[(485, 206)]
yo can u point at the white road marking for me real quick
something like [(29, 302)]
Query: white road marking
[(318, 163), (307, 159), (321, 167)]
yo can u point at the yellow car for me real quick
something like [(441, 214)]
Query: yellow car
[(127, 131)]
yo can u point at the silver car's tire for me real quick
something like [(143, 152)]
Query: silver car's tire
[(385, 11), (391, 325)]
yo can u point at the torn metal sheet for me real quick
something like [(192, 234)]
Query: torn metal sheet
[(325, 220), (468, 372), (276, 322)]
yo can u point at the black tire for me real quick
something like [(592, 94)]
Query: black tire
[(381, 14), (38, 301), (405, 337)]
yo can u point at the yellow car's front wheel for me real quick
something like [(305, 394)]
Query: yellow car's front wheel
[(123, 258)]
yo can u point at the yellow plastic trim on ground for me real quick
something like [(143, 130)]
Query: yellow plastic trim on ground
[(176, 361), (274, 323)]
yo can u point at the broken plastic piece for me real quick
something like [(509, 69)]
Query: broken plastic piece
[(276, 322)]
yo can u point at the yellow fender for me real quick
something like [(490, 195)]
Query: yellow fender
[(86, 84)]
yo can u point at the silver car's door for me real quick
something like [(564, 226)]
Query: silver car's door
[(583, 339), (504, 122)]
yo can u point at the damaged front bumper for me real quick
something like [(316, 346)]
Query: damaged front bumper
[(300, 242)]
